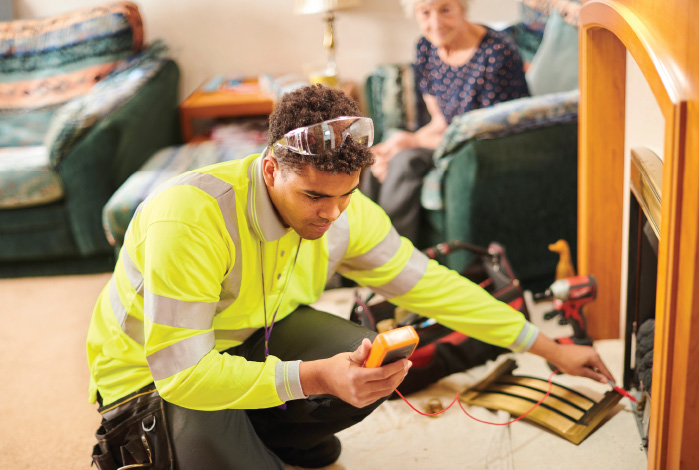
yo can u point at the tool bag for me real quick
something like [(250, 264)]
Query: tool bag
[(442, 351), (134, 434)]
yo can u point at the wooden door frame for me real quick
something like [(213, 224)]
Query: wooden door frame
[(607, 30)]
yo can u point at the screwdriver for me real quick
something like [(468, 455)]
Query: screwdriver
[(621, 391)]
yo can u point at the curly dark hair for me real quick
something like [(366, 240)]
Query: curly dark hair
[(313, 104)]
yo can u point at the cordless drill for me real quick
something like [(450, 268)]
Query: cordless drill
[(569, 296)]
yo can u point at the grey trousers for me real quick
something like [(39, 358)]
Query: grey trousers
[(262, 439), (399, 194)]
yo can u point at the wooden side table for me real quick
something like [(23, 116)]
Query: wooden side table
[(247, 99)]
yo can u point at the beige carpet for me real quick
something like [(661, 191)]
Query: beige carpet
[(47, 423)]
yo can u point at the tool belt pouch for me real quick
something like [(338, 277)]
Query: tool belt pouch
[(134, 434)]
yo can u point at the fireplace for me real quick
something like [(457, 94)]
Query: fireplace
[(661, 37), (644, 230)]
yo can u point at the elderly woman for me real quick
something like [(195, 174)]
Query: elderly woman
[(459, 66)]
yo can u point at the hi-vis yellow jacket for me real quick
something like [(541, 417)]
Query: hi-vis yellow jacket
[(188, 285)]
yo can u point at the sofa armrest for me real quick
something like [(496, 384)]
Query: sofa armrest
[(74, 119), (519, 190), (509, 117), (99, 157)]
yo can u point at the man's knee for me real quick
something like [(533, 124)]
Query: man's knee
[(309, 334)]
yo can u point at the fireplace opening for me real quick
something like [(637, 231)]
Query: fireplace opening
[(644, 223)]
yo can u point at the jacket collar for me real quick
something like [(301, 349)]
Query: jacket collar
[(262, 216)]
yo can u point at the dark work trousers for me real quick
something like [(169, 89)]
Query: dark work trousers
[(260, 439), (399, 194)]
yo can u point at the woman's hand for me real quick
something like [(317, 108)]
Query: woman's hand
[(385, 151), (345, 377)]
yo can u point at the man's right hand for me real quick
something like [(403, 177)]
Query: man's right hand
[(345, 377)]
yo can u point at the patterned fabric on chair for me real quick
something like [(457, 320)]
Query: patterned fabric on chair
[(83, 102), (47, 62)]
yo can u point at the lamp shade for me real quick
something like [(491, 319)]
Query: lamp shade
[(307, 7)]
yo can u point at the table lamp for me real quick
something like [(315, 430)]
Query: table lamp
[(328, 7)]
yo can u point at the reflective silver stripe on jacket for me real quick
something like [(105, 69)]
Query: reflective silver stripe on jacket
[(171, 312), (377, 256), (338, 241), (115, 302), (178, 313), (132, 273), (214, 187), (180, 356), (411, 273), (287, 381), (526, 338), (132, 326)]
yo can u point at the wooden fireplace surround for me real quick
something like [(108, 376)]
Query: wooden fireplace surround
[(663, 38)]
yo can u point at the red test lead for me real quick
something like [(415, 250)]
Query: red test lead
[(621, 391)]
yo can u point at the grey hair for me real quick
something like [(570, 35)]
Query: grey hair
[(409, 6)]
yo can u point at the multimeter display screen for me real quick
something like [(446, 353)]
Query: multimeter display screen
[(395, 354)]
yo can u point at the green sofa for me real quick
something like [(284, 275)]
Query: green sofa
[(507, 173), (84, 104)]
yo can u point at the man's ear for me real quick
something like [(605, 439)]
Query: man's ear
[(270, 170)]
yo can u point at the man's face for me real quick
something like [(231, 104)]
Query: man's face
[(309, 200)]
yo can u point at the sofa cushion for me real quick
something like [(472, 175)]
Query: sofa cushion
[(555, 65), (46, 62), (26, 178), (24, 128)]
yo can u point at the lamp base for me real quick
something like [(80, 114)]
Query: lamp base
[(324, 78)]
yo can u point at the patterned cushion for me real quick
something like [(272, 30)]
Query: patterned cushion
[(496, 121), (535, 13), (238, 140), (46, 62), (78, 116), (393, 100), (24, 129), (26, 178), (527, 41)]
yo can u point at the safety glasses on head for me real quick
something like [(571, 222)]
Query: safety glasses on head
[(328, 135)]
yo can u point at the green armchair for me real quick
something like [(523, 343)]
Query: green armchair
[(507, 173), (83, 104)]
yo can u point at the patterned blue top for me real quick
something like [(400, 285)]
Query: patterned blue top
[(494, 74)]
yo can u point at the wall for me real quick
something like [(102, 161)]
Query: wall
[(252, 37), (644, 127)]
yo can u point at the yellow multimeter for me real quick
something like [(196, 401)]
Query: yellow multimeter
[(392, 345)]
